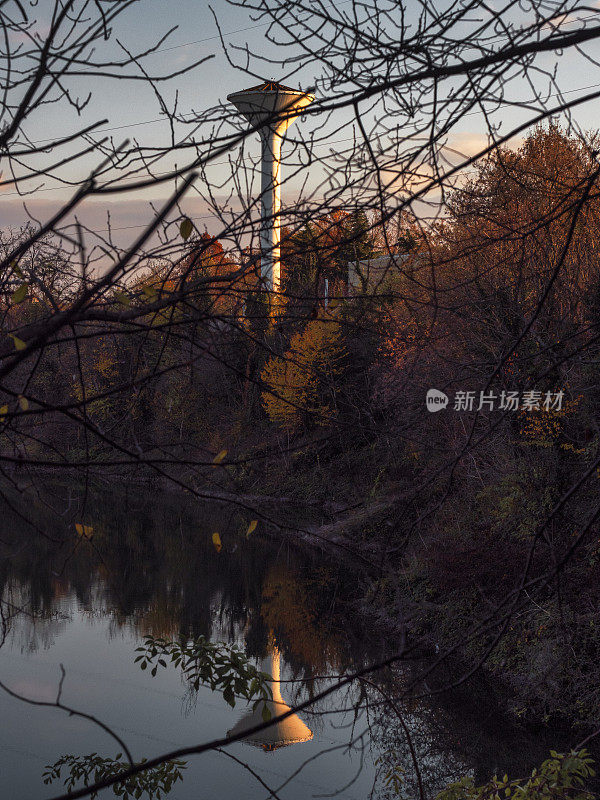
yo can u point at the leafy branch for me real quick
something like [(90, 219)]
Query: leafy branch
[(559, 777), (222, 667), (154, 783)]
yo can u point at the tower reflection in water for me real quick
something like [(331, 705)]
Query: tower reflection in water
[(290, 730)]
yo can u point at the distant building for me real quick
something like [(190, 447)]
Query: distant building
[(377, 275)]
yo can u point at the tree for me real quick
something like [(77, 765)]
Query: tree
[(300, 385)]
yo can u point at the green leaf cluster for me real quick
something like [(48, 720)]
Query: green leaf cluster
[(561, 777), (222, 667), (153, 783)]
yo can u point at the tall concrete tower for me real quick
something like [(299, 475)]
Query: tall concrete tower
[(276, 107)]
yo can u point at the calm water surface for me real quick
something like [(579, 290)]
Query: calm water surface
[(151, 568)]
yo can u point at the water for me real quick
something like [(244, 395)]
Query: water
[(151, 568)]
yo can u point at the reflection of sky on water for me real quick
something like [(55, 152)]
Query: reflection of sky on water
[(153, 715), (147, 712)]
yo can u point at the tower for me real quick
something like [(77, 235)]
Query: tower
[(276, 107)]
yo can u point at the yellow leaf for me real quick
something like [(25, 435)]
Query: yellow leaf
[(19, 343), (251, 527), (122, 298), (19, 294), (216, 540), (219, 457), (84, 530), (23, 402), (3, 411)]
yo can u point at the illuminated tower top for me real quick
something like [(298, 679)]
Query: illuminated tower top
[(271, 102)]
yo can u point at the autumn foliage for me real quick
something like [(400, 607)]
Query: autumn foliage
[(300, 384)]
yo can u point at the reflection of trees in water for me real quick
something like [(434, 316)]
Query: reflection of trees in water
[(500, 745), (289, 609), (33, 634), (396, 774), (152, 568), (34, 631), (454, 733)]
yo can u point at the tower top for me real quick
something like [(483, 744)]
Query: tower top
[(271, 102), (270, 86)]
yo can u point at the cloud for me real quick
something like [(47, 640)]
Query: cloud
[(466, 145), (457, 150), (126, 218)]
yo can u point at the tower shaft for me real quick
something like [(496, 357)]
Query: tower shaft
[(270, 204), (274, 107)]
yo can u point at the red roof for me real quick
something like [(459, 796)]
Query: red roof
[(271, 86)]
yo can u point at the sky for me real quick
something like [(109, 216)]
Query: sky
[(132, 109)]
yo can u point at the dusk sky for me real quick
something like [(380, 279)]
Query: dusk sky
[(132, 109)]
